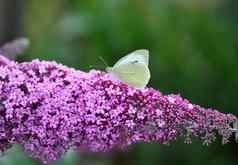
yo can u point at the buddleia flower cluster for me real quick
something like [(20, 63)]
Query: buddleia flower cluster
[(49, 108)]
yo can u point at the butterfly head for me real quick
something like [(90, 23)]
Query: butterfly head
[(108, 69)]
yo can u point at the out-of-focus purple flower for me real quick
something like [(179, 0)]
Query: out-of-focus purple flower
[(48, 108), (3, 60), (13, 48)]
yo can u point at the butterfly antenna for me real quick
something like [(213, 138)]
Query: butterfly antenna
[(103, 61), (93, 66), (99, 66)]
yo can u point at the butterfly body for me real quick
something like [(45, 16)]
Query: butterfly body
[(132, 69)]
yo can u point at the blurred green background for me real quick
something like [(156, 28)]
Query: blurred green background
[(193, 51)]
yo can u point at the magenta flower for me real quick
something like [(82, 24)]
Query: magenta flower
[(48, 108)]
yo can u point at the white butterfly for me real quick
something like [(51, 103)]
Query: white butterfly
[(132, 69)]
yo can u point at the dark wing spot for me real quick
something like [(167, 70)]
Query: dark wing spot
[(134, 62)]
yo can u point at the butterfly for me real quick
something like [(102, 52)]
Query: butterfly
[(132, 69)]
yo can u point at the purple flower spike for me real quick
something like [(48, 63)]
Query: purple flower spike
[(48, 108), (3, 60)]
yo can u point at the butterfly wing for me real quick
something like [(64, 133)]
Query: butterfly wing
[(140, 56), (134, 74)]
